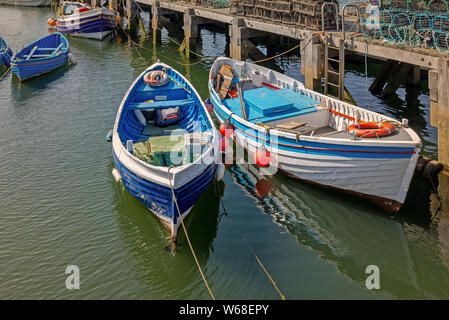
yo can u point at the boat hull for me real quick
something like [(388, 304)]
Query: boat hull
[(159, 198), (155, 185), (379, 174), (5, 56), (95, 24), (26, 3)]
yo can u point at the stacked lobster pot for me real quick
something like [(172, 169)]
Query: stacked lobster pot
[(246, 8), (273, 10), (307, 13), (282, 12)]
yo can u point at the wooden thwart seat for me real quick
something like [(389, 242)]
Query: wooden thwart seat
[(291, 125)]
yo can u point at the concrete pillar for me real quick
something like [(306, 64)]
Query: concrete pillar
[(238, 34), (155, 13), (312, 63), (443, 112), (191, 23)]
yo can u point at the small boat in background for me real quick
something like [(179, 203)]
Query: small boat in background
[(313, 137), (80, 20), (42, 56), (26, 3), (164, 144), (5, 53)]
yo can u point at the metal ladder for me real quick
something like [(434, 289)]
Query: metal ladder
[(330, 56)]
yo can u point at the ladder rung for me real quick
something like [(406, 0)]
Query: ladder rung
[(333, 72), (329, 47), (334, 60), (333, 84)]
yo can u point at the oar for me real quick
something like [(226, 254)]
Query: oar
[(242, 103)]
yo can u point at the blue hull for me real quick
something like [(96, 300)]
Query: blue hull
[(25, 68), (95, 27), (5, 53), (158, 198), (151, 178)]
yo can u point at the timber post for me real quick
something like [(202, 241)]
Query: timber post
[(312, 63), (238, 34), (155, 14), (191, 23)]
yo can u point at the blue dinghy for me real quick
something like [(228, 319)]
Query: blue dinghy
[(5, 53), (42, 56), (164, 144)]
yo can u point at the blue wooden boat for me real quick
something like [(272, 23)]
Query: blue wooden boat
[(164, 143), (80, 20), (5, 53), (42, 56)]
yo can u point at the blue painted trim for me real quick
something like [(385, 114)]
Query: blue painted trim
[(291, 145)]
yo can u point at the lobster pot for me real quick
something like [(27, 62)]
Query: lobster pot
[(402, 23), (386, 25), (422, 24), (307, 13), (440, 28), (246, 8), (441, 40)]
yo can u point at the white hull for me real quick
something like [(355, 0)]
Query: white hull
[(93, 35), (26, 3)]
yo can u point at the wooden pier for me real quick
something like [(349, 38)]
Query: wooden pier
[(315, 52)]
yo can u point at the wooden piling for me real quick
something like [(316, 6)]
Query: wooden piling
[(380, 81)]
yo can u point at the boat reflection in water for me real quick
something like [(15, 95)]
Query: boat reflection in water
[(167, 274), (354, 234)]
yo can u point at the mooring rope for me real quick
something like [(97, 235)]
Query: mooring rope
[(187, 236), (366, 73), (3, 75), (248, 246)]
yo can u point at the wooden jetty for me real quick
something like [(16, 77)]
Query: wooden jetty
[(318, 48)]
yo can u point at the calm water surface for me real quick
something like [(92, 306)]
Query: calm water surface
[(60, 206)]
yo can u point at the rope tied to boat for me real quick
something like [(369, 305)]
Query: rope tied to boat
[(3, 75), (187, 236)]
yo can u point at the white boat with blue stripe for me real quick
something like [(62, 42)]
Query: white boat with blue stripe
[(314, 137), (164, 144)]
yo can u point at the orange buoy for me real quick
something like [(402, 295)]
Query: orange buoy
[(226, 129), (118, 19), (223, 144), (262, 157), (371, 129), (263, 188), (51, 22)]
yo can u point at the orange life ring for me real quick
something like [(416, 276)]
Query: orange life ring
[(372, 129), (156, 78)]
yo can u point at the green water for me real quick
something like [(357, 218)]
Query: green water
[(59, 204)]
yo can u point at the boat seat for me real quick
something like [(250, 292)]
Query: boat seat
[(161, 104), (291, 125)]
